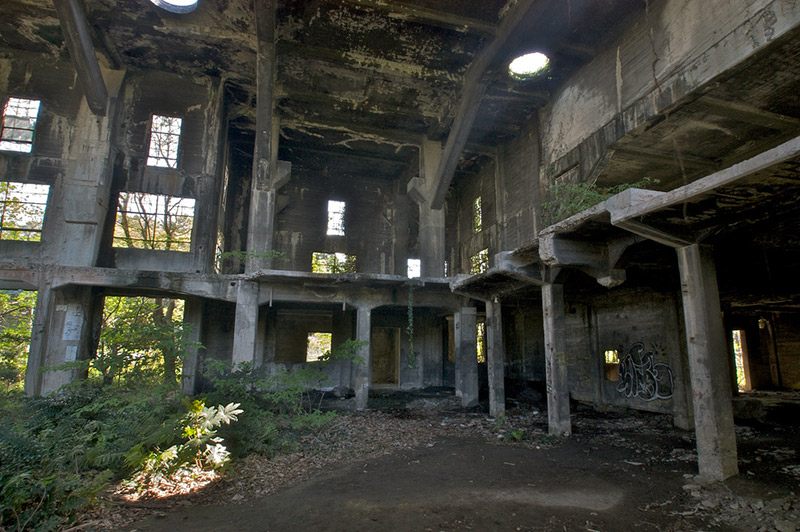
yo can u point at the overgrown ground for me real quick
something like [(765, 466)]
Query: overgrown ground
[(439, 468)]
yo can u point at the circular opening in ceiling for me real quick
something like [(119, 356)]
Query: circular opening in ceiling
[(176, 6), (528, 66)]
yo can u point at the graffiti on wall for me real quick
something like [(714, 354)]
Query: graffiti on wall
[(641, 376)]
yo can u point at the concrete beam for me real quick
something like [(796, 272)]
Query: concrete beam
[(466, 355), (515, 25), (495, 359), (555, 347), (75, 29), (595, 258), (708, 365), (428, 16)]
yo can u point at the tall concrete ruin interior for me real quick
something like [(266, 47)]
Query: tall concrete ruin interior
[(404, 116)]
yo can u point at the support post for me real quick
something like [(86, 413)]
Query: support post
[(555, 347), (193, 324), (60, 336), (466, 355), (708, 366), (431, 241), (363, 370), (261, 223), (245, 331), (495, 355)]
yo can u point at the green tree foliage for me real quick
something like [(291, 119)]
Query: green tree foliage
[(333, 263), (156, 222), (16, 319), (22, 207), (141, 339)]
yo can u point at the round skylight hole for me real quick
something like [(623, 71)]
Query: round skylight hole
[(176, 6), (528, 66)]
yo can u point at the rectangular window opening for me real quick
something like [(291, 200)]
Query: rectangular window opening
[(414, 268), (479, 262), (153, 221), (16, 322), (138, 339), (611, 365), (739, 355), (22, 208), (19, 122), (477, 215), (332, 263), (336, 218), (318, 344), (481, 341), (165, 136)]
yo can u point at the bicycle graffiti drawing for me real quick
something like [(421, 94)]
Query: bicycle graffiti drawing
[(640, 376)]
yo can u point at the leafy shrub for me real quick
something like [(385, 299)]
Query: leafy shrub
[(202, 449), (567, 199)]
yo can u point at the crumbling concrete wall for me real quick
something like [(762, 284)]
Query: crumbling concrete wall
[(462, 240), (523, 335), (370, 220)]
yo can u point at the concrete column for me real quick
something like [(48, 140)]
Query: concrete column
[(262, 198), (193, 329), (61, 334), (245, 331), (708, 365), (466, 355), (431, 241), (495, 357), (362, 371), (555, 347)]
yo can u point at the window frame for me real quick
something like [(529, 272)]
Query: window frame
[(38, 230), (153, 158), (19, 145)]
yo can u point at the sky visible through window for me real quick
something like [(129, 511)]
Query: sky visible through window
[(414, 268), (336, 218), (19, 122), (165, 135)]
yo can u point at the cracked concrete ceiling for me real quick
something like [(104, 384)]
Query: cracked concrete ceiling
[(359, 77)]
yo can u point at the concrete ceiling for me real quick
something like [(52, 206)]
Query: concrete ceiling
[(359, 77)]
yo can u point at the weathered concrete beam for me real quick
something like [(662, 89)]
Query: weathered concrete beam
[(595, 258), (708, 184), (75, 29), (515, 24), (523, 269), (428, 16), (746, 113)]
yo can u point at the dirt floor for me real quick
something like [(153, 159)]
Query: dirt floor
[(442, 469)]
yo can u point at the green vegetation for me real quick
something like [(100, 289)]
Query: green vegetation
[(128, 423), (16, 319), (567, 199)]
